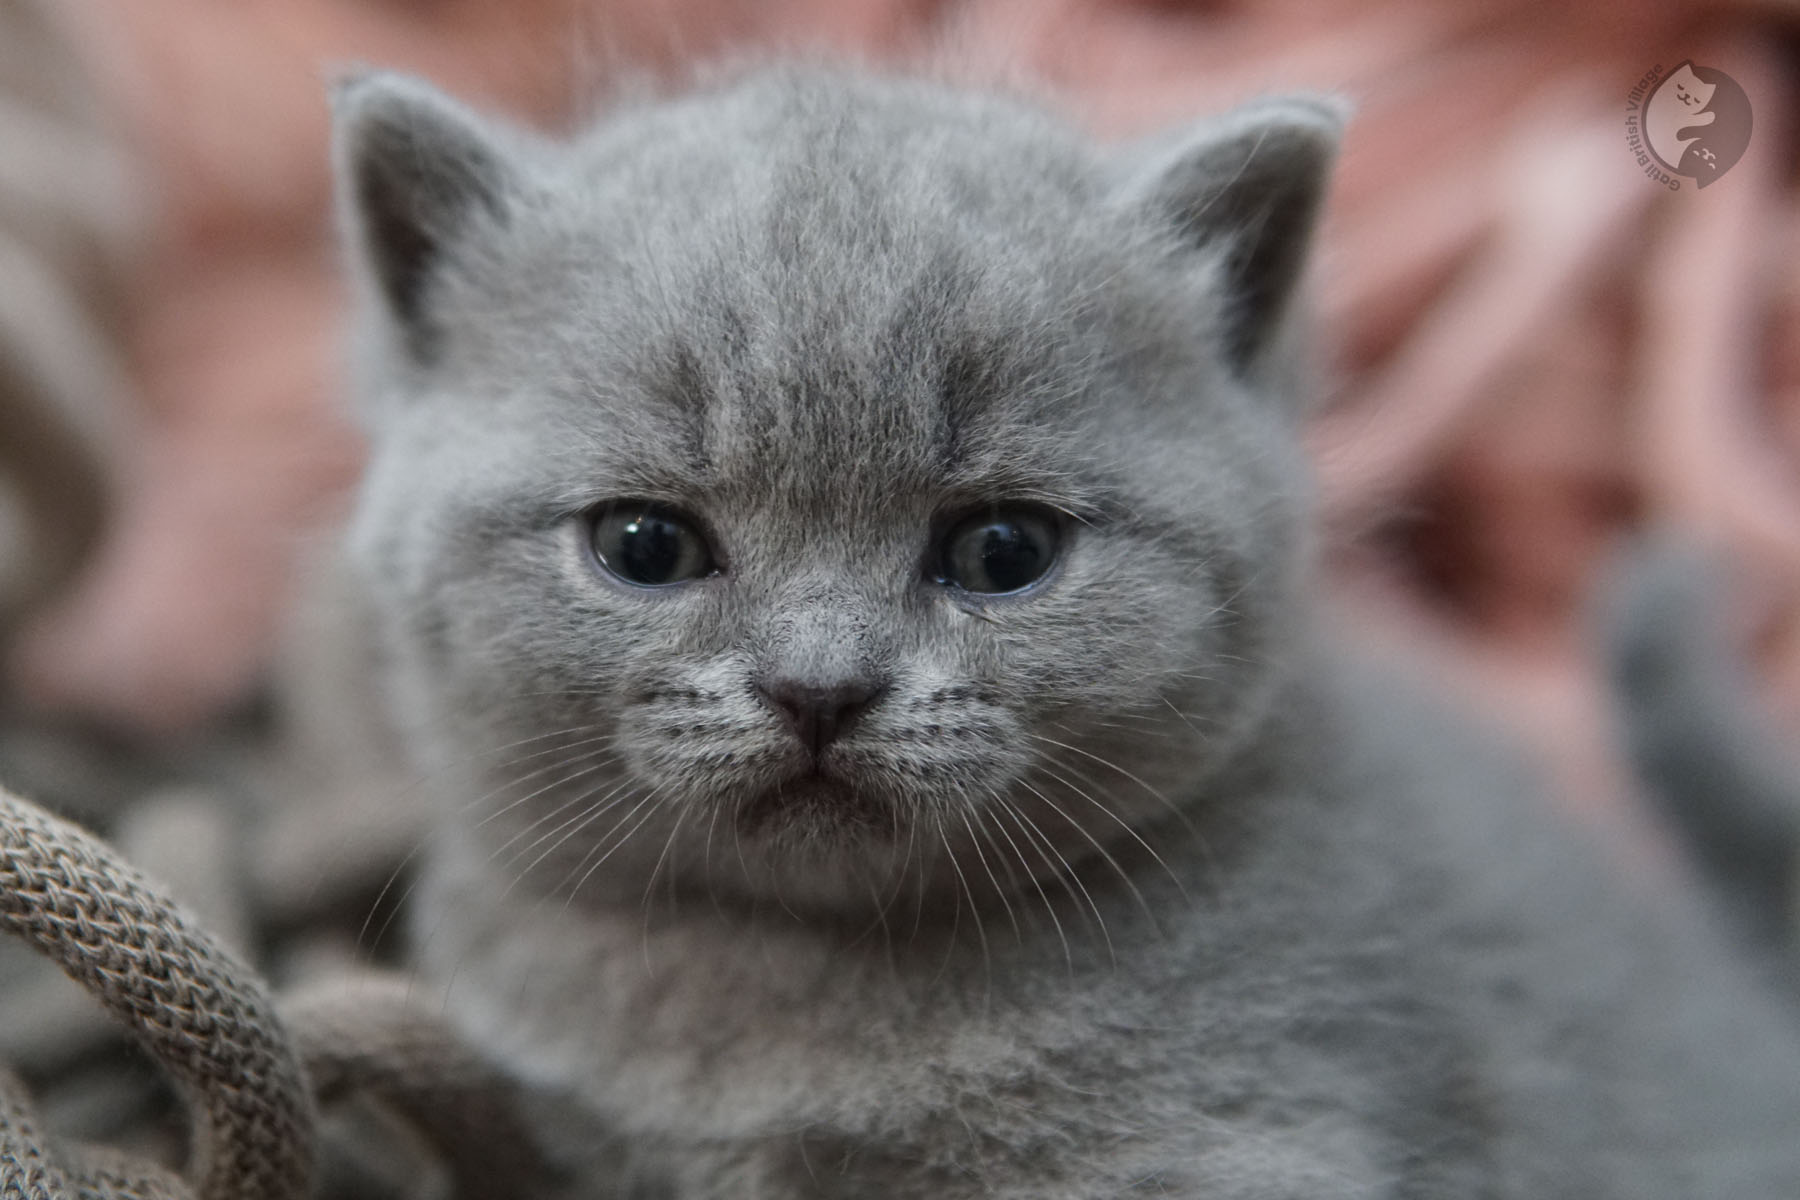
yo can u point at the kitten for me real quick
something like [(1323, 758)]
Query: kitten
[(840, 547)]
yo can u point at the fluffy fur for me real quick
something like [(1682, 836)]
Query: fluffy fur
[(1123, 885), (1727, 786)]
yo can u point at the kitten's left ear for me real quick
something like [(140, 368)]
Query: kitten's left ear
[(1248, 186)]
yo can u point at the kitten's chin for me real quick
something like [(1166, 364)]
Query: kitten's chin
[(820, 802), (830, 844)]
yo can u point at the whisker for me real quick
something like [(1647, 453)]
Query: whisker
[(712, 893), (625, 837), (1179, 813), (362, 934), (1060, 870), (1099, 847), (882, 896), (655, 871), (1053, 766), (981, 857), (586, 755), (956, 920), (567, 829), (1068, 870), (1037, 885), (407, 892), (581, 771), (899, 884), (574, 826)]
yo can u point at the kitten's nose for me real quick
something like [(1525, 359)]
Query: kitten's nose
[(818, 713)]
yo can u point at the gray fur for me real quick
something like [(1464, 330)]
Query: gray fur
[(1139, 889), (1727, 786)]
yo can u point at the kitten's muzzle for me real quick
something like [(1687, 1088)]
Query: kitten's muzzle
[(817, 714)]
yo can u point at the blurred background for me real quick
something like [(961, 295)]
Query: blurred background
[(1529, 348), (1529, 351)]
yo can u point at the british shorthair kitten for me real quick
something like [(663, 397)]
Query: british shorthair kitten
[(840, 548)]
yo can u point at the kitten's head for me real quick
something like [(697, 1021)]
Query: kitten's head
[(825, 487)]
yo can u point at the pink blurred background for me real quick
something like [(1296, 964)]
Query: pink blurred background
[(1530, 349)]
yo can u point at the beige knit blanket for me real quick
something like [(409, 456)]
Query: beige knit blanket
[(252, 1072)]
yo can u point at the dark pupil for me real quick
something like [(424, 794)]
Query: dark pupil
[(650, 549), (1009, 557)]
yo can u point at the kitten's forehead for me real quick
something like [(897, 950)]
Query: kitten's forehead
[(808, 423), (870, 294), (909, 371), (839, 299)]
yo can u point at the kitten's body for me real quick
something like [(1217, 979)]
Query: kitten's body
[(1116, 885), (1394, 973)]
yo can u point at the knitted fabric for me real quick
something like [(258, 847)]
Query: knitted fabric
[(26, 1172), (104, 1175), (250, 1070), (197, 1010)]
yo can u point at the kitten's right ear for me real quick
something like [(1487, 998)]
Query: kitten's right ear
[(417, 173)]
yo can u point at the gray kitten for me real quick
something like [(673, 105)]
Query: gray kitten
[(840, 549)]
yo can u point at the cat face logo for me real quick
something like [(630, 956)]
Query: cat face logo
[(1696, 122)]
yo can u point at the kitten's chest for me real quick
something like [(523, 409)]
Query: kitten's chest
[(711, 1029)]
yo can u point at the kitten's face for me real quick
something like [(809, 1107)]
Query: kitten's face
[(823, 492)]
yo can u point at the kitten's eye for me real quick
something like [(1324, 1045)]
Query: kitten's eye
[(649, 545), (1001, 550)]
